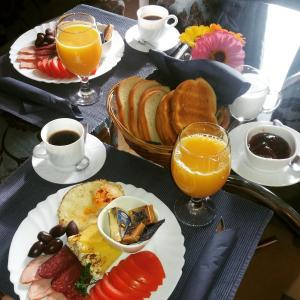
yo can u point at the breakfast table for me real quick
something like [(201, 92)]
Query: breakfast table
[(244, 206)]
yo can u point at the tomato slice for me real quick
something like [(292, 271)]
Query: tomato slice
[(116, 280), (149, 262), (47, 67), (44, 66), (53, 65), (65, 73), (131, 282), (97, 293), (140, 274), (40, 66), (112, 292)]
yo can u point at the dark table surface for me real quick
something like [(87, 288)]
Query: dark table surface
[(278, 57)]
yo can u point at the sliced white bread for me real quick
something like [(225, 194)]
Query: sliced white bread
[(134, 98), (147, 113), (122, 93)]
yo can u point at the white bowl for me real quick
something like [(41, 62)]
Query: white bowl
[(126, 203), (271, 164), (107, 45)]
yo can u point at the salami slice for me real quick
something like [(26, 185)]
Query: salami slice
[(73, 294), (57, 263), (67, 278)]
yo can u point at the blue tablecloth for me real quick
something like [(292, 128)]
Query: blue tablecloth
[(132, 63), (21, 192)]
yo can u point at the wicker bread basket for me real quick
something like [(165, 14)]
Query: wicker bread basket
[(160, 154)]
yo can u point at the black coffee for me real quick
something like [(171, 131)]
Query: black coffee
[(63, 137), (152, 18)]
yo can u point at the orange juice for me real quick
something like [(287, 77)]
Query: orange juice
[(79, 47), (200, 164)]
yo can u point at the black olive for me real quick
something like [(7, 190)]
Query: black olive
[(49, 39), (72, 229), (53, 246), (39, 42), (44, 236), (40, 35), (36, 249), (57, 230), (49, 31)]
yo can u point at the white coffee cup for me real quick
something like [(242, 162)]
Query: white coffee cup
[(62, 143), (248, 106), (152, 21)]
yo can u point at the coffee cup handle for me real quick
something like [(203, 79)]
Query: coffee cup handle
[(276, 104), (39, 151), (170, 17)]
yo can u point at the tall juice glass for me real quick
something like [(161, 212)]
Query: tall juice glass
[(200, 167), (79, 47)]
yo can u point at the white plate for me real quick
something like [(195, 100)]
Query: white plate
[(167, 243), (241, 165), (108, 60), (168, 40), (94, 150)]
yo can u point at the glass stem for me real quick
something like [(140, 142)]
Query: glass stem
[(197, 204), (85, 89)]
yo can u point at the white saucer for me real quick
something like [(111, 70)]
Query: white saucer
[(95, 151), (241, 165), (168, 40)]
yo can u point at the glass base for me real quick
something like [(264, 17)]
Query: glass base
[(192, 213), (86, 98)]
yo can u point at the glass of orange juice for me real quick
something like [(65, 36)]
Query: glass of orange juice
[(200, 167), (79, 47)]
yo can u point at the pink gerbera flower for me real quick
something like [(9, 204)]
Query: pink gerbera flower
[(221, 46)]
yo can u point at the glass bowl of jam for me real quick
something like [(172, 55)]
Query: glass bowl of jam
[(270, 147)]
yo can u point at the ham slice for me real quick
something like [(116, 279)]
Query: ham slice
[(26, 57), (40, 289), (30, 273), (36, 51), (27, 50), (27, 65)]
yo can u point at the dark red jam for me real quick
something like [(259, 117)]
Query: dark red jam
[(269, 145)]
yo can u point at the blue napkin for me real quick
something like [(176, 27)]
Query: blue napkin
[(227, 82), (212, 258), (33, 99)]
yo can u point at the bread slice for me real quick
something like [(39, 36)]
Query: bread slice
[(147, 113), (134, 98), (164, 121), (193, 101), (122, 93)]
